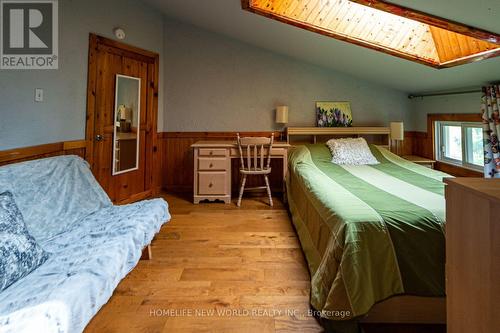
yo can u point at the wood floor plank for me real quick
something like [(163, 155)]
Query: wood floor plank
[(222, 274)]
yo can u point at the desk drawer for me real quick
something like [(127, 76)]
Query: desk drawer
[(212, 183), (212, 163), (212, 152)]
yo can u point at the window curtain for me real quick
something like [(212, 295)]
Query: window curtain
[(491, 130)]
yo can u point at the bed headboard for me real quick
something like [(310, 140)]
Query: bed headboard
[(369, 133)]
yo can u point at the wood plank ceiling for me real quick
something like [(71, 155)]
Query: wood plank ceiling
[(377, 29)]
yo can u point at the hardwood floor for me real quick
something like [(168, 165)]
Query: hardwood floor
[(216, 268), (220, 268)]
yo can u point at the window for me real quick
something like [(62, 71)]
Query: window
[(460, 143)]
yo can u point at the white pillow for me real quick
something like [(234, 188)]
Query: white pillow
[(351, 151)]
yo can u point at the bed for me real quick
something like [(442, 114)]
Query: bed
[(369, 233)]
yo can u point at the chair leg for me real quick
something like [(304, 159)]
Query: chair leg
[(242, 188), (268, 191)]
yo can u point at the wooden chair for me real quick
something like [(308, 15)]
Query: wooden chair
[(257, 163)]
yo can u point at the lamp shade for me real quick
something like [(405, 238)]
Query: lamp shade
[(282, 114), (397, 130)]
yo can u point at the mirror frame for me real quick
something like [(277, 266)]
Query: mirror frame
[(117, 79)]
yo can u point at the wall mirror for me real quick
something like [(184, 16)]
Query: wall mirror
[(127, 122)]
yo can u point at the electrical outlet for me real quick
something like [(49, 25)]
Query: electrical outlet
[(38, 95)]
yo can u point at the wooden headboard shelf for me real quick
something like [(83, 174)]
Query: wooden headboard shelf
[(339, 132)]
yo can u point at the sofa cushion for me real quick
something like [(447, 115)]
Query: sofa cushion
[(53, 193), (19, 252)]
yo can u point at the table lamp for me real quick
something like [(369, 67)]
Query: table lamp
[(397, 134), (282, 116)]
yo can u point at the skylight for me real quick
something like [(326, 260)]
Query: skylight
[(361, 24)]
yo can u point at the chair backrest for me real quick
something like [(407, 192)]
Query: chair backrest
[(254, 151)]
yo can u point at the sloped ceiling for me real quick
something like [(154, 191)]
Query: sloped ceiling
[(226, 17), (381, 30)]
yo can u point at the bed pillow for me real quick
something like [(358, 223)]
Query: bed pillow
[(351, 151), (19, 252)]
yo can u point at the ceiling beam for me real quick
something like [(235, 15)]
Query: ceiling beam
[(471, 58)]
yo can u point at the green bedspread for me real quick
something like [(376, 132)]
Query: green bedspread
[(368, 232)]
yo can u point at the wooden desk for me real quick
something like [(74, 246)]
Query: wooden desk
[(212, 168)]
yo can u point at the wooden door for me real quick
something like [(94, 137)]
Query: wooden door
[(107, 59)]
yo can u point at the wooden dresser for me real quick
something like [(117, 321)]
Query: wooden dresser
[(212, 168), (473, 255)]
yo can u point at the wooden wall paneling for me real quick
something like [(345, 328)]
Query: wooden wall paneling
[(408, 143), (16, 155), (275, 178), (456, 170), (177, 160), (420, 144)]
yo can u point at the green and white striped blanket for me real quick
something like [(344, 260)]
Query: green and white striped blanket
[(368, 232)]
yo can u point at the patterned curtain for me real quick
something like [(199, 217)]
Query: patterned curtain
[(491, 130)]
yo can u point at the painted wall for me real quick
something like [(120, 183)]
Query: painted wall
[(209, 82), (62, 114), (214, 83), (469, 103)]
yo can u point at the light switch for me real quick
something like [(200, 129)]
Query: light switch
[(38, 95)]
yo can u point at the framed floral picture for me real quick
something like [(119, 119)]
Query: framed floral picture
[(333, 114)]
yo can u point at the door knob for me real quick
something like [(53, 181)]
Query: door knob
[(98, 137)]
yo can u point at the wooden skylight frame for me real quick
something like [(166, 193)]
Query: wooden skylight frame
[(393, 29)]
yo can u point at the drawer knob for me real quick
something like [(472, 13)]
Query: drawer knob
[(210, 185), (211, 153), (211, 165)]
